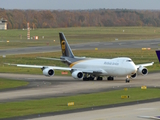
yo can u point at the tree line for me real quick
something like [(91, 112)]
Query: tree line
[(17, 19)]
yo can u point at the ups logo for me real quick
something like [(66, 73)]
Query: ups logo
[(63, 46)]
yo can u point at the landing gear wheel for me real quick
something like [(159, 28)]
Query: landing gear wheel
[(127, 80), (85, 79), (88, 78), (91, 78), (99, 78), (110, 78)]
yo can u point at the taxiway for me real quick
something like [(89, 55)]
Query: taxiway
[(45, 87), (101, 45)]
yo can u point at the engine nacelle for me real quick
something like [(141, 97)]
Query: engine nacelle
[(77, 75), (48, 72), (133, 76), (142, 71)]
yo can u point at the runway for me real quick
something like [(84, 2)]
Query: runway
[(100, 45)]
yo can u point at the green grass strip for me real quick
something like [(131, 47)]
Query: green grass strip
[(75, 35), (8, 83), (81, 101)]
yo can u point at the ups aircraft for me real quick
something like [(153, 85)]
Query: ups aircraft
[(83, 68)]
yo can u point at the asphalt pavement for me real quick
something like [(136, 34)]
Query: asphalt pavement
[(100, 45)]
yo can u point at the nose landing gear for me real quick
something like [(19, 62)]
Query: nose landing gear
[(127, 79)]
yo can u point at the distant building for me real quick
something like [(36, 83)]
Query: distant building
[(3, 24)]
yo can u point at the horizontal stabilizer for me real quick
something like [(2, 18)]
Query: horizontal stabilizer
[(50, 58), (62, 60), (39, 66)]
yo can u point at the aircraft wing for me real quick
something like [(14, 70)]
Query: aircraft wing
[(62, 60), (145, 65), (39, 66), (91, 71)]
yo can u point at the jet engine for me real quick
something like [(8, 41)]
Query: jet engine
[(142, 71), (133, 76), (77, 74), (48, 72)]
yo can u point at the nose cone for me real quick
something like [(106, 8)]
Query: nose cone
[(134, 68), (131, 69)]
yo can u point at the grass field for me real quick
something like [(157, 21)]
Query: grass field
[(81, 101), (7, 83), (138, 56), (76, 35)]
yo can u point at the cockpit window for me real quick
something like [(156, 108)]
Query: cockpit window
[(129, 60)]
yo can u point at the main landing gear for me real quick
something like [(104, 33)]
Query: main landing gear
[(99, 78), (110, 78), (88, 78), (91, 78)]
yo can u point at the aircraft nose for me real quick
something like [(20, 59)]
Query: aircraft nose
[(134, 68)]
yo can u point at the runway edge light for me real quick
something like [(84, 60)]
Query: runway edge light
[(125, 89), (144, 48), (70, 104), (124, 96), (143, 87)]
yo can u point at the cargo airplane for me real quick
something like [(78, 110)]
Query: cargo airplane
[(83, 68)]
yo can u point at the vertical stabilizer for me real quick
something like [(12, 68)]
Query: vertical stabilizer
[(66, 50), (158, 54)]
